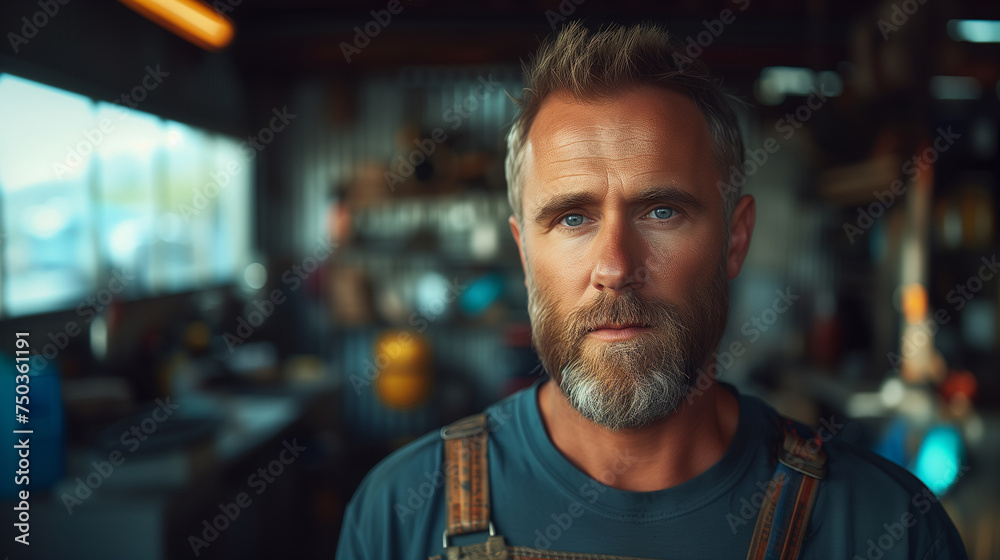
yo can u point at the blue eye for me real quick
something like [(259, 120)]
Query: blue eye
[(573, 220), (663, 213)]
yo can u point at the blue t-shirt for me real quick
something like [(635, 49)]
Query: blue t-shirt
[(867, 507)]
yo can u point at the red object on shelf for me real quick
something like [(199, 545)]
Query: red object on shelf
[(959, 383)]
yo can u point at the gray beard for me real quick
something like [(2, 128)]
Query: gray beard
[(651, 396)]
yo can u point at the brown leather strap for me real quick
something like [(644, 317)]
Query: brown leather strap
[(801, 465), (803, 507), (467, 487)]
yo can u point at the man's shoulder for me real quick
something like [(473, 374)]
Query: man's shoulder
[(879, 501), (421, 461), (404, 466), (380, 503), (850, 466), (863, 470), (865, 498)]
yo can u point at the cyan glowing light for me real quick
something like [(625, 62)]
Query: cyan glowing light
[(940, 456), (974, 30), (481, 294), (432, 295)]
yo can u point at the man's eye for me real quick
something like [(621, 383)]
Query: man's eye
[(573, 220), (663, 213)]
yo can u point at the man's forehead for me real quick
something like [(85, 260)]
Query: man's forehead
[(658, 107), (593, 139), (650, 136)]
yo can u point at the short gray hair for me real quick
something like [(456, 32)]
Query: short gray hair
[(608, 63)]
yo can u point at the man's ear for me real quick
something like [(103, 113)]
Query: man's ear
[(740, 230), (516, 232)]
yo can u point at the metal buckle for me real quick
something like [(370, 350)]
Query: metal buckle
[(465, 427), (444, 538)]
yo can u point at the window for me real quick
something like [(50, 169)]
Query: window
[(90, 187)]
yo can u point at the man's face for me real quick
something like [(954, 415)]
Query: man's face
[(624, 249)]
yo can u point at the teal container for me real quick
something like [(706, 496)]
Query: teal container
[(46, 445)]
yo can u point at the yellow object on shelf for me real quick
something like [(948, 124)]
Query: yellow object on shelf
[(404, 379)]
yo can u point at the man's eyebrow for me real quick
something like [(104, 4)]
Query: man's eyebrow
[(562, 202), (667, 194)]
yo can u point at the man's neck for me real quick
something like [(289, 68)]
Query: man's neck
[(657, 456)]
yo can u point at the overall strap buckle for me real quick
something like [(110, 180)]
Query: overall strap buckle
[(467, 489), (784, 515)]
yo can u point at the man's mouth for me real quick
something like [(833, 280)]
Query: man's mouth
[(617, 331), (617, 326)]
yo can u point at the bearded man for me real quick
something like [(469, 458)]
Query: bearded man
[(628, 236)]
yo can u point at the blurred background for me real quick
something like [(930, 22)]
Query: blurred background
[(258, 251)]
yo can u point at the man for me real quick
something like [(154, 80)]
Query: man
[(628, 237)]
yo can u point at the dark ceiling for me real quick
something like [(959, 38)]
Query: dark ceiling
[(305, 37)]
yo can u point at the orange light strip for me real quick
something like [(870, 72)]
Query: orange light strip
[(914, 303), (191, 20)]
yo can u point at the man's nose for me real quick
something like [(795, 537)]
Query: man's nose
[(617, 259)]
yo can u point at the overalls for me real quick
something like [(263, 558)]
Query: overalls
[(778, 534)]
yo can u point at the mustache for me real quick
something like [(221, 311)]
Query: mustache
[(692, 328), (628, 309)]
